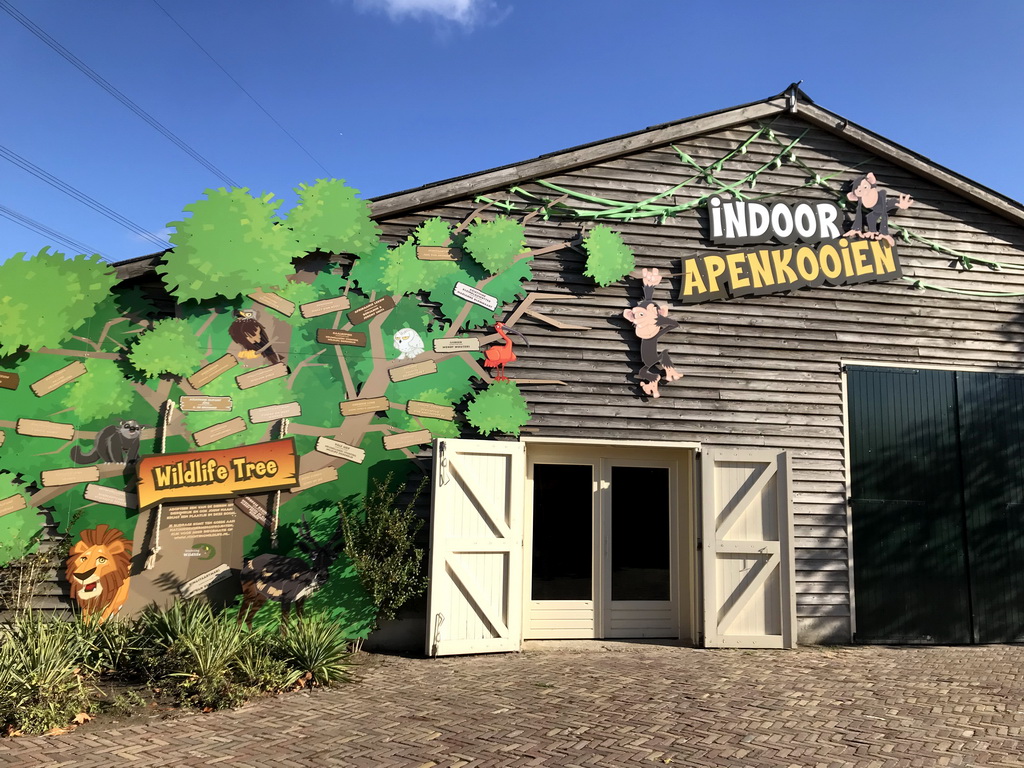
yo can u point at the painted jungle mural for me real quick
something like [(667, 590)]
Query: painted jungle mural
[(141, 417)]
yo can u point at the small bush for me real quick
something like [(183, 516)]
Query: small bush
[(259, 666), (380, 540), (40, 681), (317, 647)]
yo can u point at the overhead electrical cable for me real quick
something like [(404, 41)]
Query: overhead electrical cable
[(42, 229), (92, 75), (67, 189), (242, 88)]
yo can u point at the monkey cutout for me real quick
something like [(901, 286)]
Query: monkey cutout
[(871, 219), (650, 323)]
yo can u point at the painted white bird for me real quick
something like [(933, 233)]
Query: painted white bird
[(409, 343)]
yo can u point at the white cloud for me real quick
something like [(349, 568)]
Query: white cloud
[(468, 13)]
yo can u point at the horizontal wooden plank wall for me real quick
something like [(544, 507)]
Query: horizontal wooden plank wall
[(759, 371)]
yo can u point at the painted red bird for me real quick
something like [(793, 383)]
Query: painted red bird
[(499, 356)]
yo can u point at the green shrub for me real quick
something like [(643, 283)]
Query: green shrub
[(380, 540), (40, 681), (259, 665), (317, 647)]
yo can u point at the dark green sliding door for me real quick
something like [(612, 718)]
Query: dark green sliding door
[(910, 573), (937, 471), (991, 439)]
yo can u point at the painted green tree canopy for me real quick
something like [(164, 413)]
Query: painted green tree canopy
[(278, 324)]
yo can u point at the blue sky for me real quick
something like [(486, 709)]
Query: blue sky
[(392, 94)]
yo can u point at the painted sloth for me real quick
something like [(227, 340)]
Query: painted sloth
[(99, 568)]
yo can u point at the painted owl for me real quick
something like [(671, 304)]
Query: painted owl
[(409, 343), (251, 336)]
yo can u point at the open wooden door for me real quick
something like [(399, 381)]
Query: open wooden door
[(748, 570), (476, 547)]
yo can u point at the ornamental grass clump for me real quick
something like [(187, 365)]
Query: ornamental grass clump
[(318, 650), (41, 685)]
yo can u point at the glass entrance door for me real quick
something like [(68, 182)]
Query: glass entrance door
[(604, 557)]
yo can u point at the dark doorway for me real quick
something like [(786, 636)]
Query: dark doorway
[(938, 524)]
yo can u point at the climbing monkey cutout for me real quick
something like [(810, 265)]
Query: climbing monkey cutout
[(650, 323), (871, 218)]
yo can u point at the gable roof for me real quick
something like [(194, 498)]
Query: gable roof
[(792, 100)]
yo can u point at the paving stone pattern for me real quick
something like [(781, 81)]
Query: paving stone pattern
[(605, 706)]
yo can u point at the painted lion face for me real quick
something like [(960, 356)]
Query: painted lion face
[(97, 567)]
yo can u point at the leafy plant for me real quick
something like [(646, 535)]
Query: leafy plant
[(317, 647), (608, 257), (252, 247), (40, 684), (332, 219), (495, 244), (207, 659), (380, 540), (259, 666), (170, 346), (69, 289), (499, 408)]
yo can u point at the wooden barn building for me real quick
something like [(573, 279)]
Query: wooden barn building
[(842, 458)]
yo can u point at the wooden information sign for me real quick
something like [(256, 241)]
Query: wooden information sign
[(316, 477), (456, 345), (70, 476), (101, 494), (200, 584), (438, 253), (208, 373), (343, 338), (261, 375), (405, 372), (340, 450), (12, 504), (252, 508), (190, 403), (325, 306), (364, 405), (430, 410), (406, 439), (9, 380), (474, 296), (58, 379), (37, 428), (275, 302), (274, 412), (219, 431), (374, 308)]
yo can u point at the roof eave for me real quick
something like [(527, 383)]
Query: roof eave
[(793, 100), (558, 162)]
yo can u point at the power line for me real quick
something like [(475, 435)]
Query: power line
[(67, 189), (42, 229), (92, 75), (242, 88)]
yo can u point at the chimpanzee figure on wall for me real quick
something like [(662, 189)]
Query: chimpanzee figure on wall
[(871, 218), (650, 322)]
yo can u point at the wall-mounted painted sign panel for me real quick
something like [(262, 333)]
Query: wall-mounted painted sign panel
[(771, 270), (217, 474)]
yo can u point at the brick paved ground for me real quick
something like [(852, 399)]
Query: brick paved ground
[(643, 705)]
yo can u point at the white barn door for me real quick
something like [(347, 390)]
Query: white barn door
[(476, 547), (748, 569)]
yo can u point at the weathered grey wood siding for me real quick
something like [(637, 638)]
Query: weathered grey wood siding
[(760, 371)]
